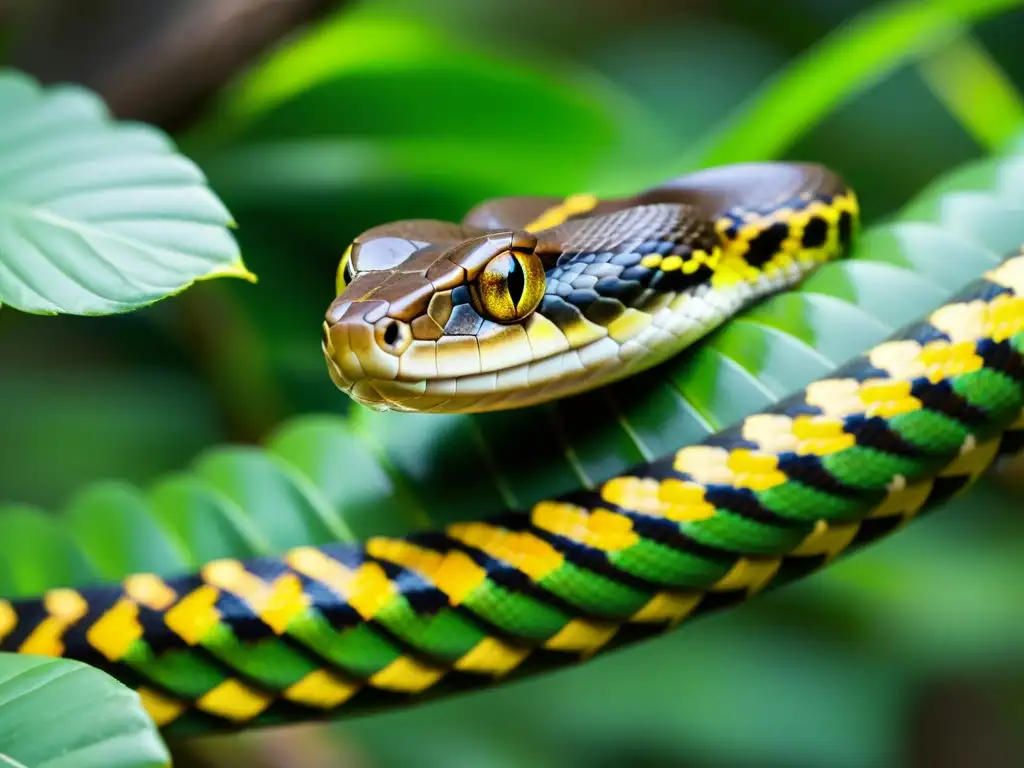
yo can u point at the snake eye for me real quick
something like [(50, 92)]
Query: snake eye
[(345, 272), (509, 288)]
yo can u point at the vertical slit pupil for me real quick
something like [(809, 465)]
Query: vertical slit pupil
[(516, 281), (391, 334)]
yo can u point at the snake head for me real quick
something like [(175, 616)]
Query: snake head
[(440, 317), (419, 324)]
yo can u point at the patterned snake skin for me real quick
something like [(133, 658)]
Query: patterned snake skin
[(333, 630)]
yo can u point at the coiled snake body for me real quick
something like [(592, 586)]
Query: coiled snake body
[(528, 300)]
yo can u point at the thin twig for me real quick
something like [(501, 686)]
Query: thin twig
[(165, 80), (159, 63)]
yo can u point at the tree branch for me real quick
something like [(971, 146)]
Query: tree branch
[(150, 63), (169, 78)]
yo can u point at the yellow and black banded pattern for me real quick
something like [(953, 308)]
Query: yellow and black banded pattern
[(336, 629)]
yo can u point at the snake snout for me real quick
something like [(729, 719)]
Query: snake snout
[(362, 342)]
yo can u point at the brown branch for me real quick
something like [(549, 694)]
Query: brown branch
[(166, 79), (308, 745), (157, 62), (959, 722)]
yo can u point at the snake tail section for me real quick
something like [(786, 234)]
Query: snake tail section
[(339, 629)]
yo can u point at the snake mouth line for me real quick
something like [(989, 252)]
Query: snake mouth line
[(564, 371)]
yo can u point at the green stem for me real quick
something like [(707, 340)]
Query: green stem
[(973, 87), (843, 64)]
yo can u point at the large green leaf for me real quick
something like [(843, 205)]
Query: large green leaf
[(98, 217), (56, 713), (835, 69), (972, 86)]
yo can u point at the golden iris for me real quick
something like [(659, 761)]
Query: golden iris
[(509, 288), (344, 275)]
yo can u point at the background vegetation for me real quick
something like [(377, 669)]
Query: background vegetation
[(908, 654)]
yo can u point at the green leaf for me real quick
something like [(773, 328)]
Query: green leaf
[(56, 713), (98, 217), (110, 525), (836, 68), (974, 88), (45, 557)]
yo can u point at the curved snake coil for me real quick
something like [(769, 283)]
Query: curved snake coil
[(339, 629)]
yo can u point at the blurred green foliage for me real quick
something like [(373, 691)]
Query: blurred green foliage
[(58, 713), (398, 109)]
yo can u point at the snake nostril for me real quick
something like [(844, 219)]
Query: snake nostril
[(393, 336)]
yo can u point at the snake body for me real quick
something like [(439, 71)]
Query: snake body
[(339, 629)]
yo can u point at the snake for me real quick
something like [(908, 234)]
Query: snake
[(528, 300)]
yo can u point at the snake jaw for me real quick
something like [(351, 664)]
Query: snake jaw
[(363, 358), (377, 395)]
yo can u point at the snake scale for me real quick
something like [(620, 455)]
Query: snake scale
[(527, 300)]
